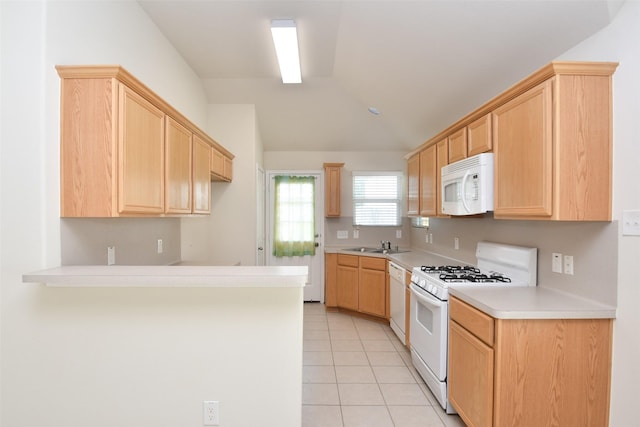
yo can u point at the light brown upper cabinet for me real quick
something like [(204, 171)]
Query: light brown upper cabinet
[(551, 135), (458, 145), (333, 182), (479, 136), (125, 151), (178, 183), (553, 149), (141, 148), (428, 181), (221, 166), (413, 185), (201, 194)]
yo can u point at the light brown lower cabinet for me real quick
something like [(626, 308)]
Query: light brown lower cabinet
[(528, 372), (357, 283)]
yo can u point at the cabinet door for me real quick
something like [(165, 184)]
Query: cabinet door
[(228, 168), (330, 279), (442, 159), (217, 162), (413, 185), (141, 155), (347, 287), (458, 145), (332, 176), (178, 182), (479, 136), (201, 182), (470, 377), (372, 292), (428, 182), (523, 145)]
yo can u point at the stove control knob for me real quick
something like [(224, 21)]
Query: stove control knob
[(435, 291), (430, 289)]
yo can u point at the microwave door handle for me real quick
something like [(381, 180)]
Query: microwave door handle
[(463, 195)]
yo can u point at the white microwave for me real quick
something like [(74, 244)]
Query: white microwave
[(467, 186)]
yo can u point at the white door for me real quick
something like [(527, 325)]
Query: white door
[(314, 290)]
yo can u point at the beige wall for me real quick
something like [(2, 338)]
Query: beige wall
[(228, 235), (125, 357)]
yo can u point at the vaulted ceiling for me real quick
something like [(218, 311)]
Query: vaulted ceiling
[(422, 63)]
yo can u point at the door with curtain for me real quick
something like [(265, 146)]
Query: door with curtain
[(295, 225)]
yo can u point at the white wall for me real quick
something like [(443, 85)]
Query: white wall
[(229, 235), (136, 357), (619, 42), (353, 161)]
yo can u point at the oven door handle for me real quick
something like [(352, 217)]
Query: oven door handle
[(427, 299)]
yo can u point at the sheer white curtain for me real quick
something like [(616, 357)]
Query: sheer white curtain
[(294, 227)]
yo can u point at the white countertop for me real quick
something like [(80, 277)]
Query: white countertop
[(409, 259), (171, 276), (531, 303)]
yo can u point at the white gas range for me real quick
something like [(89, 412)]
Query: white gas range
[(497, 265)]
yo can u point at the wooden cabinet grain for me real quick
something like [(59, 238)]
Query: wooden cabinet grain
[(553, 151), (332, 188), (372, 287), (347, 281), (357, 283), (221, 166), (551, 135), (428, 181), (141, 154), (458, 145), (479, 139), (413, 185), (201, 176), (178, 177), (528, 372), (330, 279), (124, 151)]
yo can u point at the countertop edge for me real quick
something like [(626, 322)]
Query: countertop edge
[(171, 276), (532, 303)]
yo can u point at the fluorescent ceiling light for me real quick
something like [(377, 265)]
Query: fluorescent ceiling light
[(285, 38)]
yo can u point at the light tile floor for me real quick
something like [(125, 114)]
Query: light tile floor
[(357, 373)]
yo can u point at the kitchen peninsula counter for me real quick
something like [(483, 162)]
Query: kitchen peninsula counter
[(531, 303), (171, 276)]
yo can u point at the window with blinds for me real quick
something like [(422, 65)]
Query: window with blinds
[(376, 198)]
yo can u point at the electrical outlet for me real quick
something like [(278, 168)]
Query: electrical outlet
[(111, 255), (160, 246), (211, 414), (556, 262), (456, 243), (568, 264), (356, 234), (426, 238), (431, 238), (398, 234), (343, 234)]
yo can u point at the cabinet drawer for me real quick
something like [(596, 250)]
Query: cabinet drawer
[(348, 260), (373, 263), (472, 319)]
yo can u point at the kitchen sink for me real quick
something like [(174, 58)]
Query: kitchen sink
[(375, 250), (363, 249)]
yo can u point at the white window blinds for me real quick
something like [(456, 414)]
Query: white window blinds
[(376, 198)]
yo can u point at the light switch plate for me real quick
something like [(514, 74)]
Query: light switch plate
[(631, 223), (556, 262), (343, 234)]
